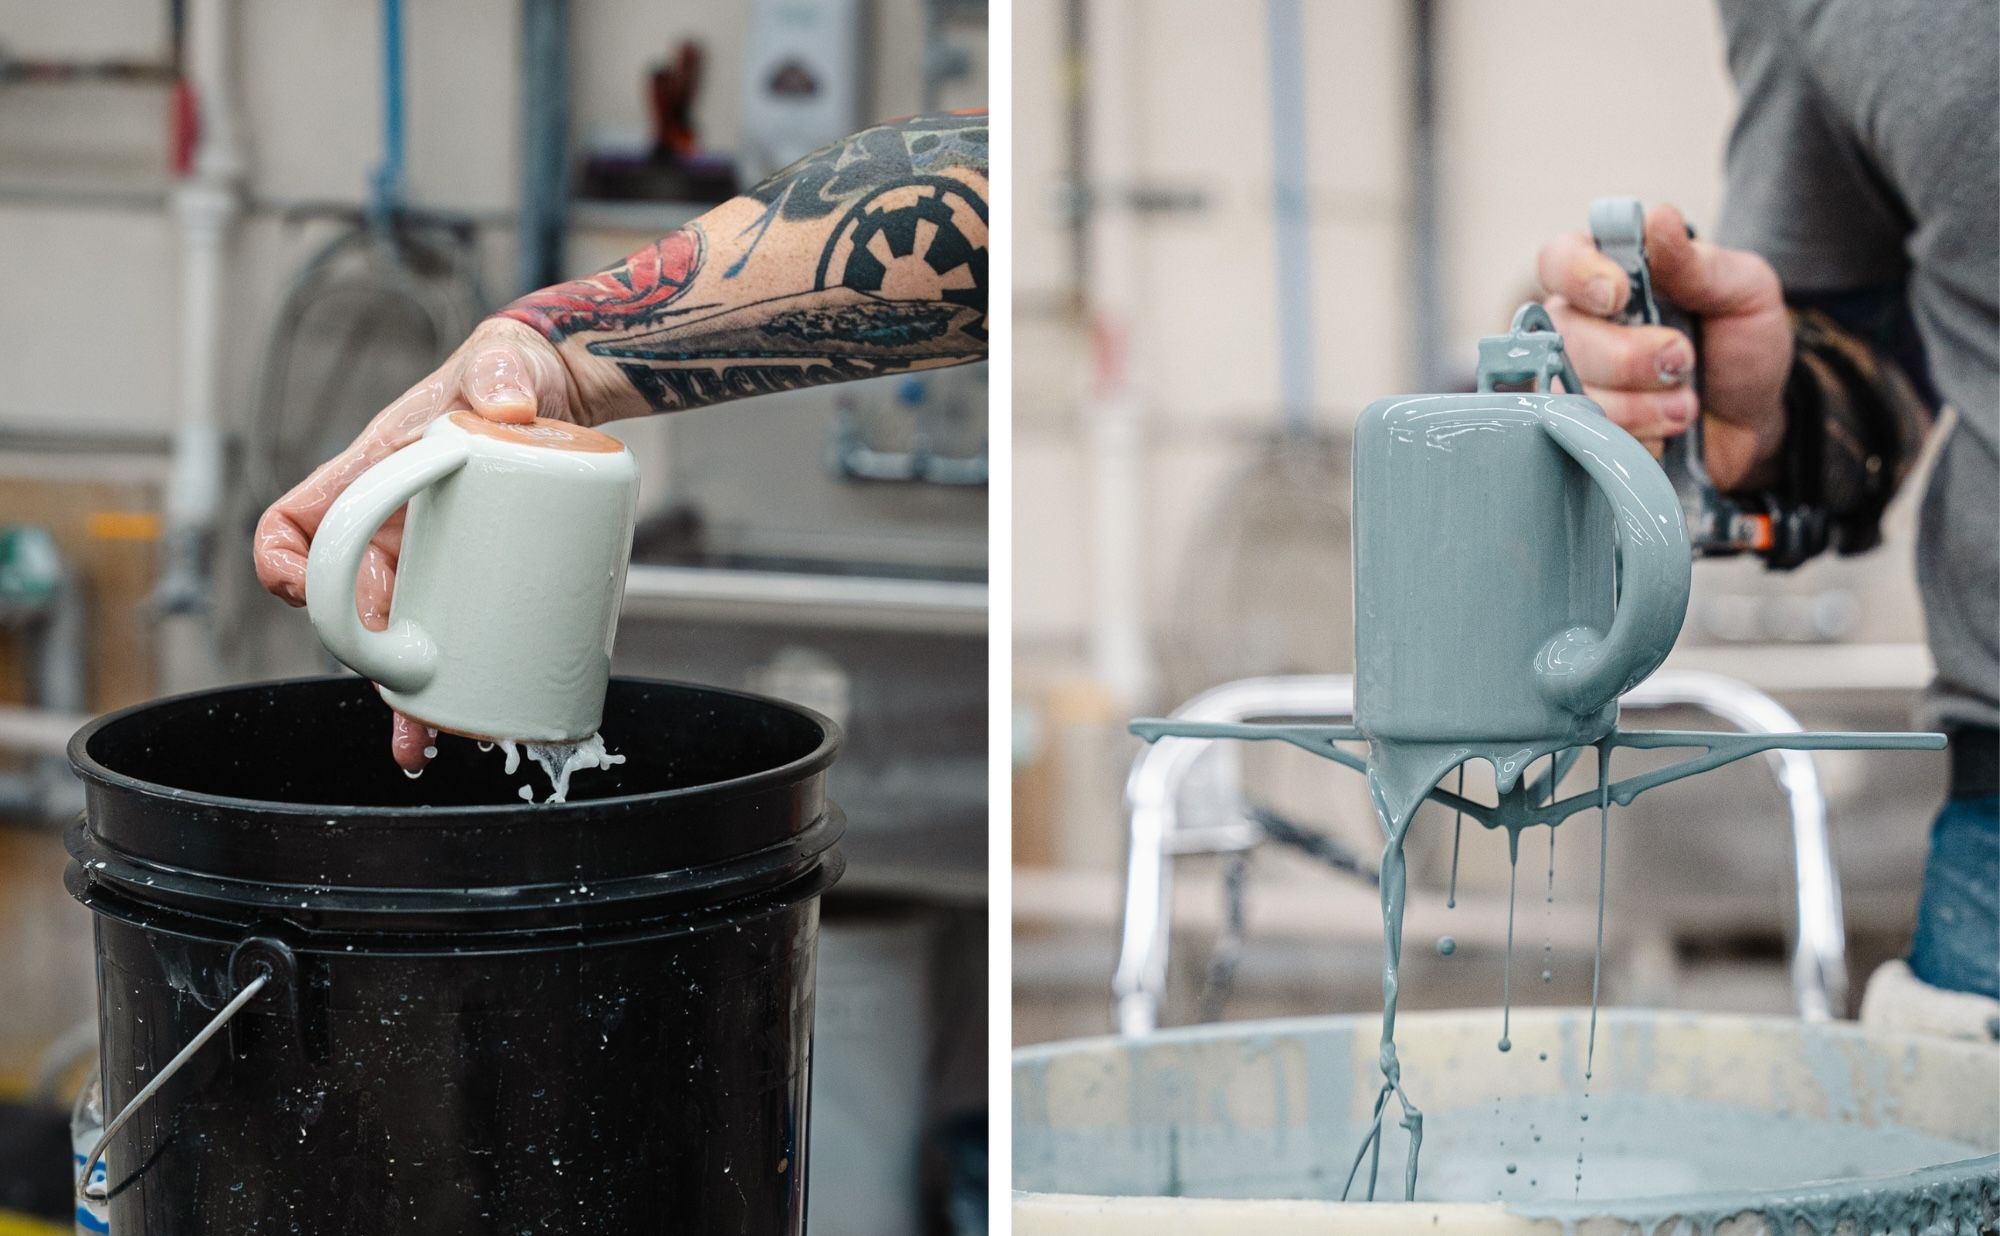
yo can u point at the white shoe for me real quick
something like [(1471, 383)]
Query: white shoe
[(1898, 1000)]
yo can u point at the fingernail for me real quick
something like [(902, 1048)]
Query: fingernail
[(498, 377), (1672, 366), (1600, 295), (1680, 413)]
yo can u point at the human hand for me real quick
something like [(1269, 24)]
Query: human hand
[(504, 371), (1640, 375)]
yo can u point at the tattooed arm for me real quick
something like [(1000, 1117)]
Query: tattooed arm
[(866, 258)]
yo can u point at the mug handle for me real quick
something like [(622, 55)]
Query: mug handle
[(1578, 669), (402, 657)]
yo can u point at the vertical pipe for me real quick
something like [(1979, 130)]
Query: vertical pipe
[(1292, 199), (1074, 82), (544, 140), (1119, 653), (206, 204), (1426, 279), (389, 176)]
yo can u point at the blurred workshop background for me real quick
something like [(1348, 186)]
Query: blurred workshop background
[(1236, 226), (231, 232)]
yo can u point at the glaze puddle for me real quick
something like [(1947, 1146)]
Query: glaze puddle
[(1191, 1115)]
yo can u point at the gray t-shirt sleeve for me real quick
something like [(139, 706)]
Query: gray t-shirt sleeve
[(1797, 190)]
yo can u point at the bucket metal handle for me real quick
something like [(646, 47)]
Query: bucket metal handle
[(264, 957)]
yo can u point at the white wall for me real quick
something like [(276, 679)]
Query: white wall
[(1545, 105)]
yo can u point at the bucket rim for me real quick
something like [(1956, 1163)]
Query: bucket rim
[(1123, 1212), (88, 767)]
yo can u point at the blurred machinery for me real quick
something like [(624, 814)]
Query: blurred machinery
[(42, 606)]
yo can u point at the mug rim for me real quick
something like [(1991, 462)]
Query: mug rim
[(509, 436)]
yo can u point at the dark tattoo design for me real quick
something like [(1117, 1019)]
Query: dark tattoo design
[(876, 247), (829, 180), (635, 290), (899, 218)]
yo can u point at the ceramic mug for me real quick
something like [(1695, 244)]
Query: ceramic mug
[(1519, 561), (509, 580)]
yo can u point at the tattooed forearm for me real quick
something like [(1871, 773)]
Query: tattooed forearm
[(613, 299), (866, 258)]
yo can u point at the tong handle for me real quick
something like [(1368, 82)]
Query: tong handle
[(1716, 525)]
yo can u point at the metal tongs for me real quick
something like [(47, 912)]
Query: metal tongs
[(1717, 526)]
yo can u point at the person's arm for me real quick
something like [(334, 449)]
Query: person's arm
[(866, 258)]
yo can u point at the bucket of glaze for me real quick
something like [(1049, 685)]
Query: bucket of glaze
[(433, 1007), (1695, 1123)]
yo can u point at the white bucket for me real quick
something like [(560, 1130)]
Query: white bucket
[(1728, 1124)]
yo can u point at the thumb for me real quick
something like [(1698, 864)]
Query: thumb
[(1700, 277), (507, 379)]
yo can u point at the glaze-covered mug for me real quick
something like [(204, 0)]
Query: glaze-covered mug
[(1520, 561), (508, 584)]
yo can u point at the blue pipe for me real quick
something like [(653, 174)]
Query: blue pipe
[(388, 191)]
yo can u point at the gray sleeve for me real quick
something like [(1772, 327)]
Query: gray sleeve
[(1799, 189)]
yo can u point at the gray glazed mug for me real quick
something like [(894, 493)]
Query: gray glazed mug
[(1519, 560), (509, 582)]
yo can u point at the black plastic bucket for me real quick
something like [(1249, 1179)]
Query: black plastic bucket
[(477, 1015)]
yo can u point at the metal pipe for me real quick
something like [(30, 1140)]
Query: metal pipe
[(1819, 951), (544, 140), (945, 607), (1119, 640), (1292, 213), (388, 186), (207, 203), (1426, 266), (1154, 791)]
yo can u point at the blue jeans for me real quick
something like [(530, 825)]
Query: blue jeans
[(1957, 945)]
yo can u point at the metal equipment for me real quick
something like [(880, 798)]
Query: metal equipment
[(1185, 798)]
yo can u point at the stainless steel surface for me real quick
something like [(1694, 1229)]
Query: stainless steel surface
[(1161, 773), (798, 598)]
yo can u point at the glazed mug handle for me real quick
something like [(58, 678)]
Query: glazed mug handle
[(1580, 669), (402, 657)]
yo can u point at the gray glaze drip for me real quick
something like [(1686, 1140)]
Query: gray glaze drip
[(1403, 774)]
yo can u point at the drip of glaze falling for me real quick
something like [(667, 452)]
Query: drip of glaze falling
[(1457, 827), (1603, 855), (1394, 886), (1548, 910), (1597, 955), (1507, 972)]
